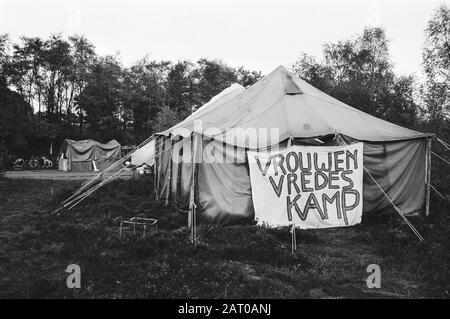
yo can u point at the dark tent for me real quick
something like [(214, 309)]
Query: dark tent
[(81, 154)]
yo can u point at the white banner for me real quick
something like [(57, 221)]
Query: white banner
[(308, 186)]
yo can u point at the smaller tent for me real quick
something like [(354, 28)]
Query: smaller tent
[(81, 155)]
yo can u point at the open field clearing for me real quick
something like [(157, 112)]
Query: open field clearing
[(229, 262)]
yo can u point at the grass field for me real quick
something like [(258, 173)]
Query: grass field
[(229, 262)]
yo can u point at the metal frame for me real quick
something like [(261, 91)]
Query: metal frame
[(138, 221)]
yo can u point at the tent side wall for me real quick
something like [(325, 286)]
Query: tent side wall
[(163, 159), (173, 170), (107, 155), (224, 190), (400, 169), (223, 194)]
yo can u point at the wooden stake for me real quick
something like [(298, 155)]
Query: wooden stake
[(293, 240), (169, 172)]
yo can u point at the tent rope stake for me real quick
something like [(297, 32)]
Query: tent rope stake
[(402, 215)]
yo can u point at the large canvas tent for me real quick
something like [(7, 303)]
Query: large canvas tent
[(81, 154), (201, 163), (396, 157)]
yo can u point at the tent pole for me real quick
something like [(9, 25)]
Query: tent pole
[(428, 177), (74, 202), (190, 189), (192, 222), (293, 240), (155, 168), (154, 178), (83, 194), (158, 181), (179, 173), (169, 179), (194, 216)]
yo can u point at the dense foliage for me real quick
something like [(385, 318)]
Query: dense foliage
[(359, 73), (57, 88)]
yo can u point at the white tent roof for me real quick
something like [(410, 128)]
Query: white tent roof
[(284, 102), (183, 128)]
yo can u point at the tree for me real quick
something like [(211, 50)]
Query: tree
[(247, 78), (399, 104), (359, 73), (314, 72), (58, 64), (102, 98), (15, 122), (26, 69), (436, 64), (4, 58), (83, 57), (211, 77), (179, 87), (144, 94), (15, 113), (166, 118), (79, 94)]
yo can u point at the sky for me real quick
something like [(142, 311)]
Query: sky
[(256, 34)]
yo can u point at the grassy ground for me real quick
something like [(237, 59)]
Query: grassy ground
[(229, 262)]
